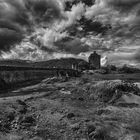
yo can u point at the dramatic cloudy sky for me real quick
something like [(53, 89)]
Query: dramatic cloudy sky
[(46, 29)]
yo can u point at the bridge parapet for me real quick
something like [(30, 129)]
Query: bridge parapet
[(15, 74)]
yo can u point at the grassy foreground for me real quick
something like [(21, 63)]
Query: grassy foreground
[(85, 108)]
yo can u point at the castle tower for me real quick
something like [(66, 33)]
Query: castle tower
[(94, 61)]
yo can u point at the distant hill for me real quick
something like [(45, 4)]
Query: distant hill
[(57, 63)]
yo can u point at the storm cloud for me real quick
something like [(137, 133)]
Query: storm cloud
[(38, 29), (19, 17)]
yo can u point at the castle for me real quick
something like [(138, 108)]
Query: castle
[(94, 61)]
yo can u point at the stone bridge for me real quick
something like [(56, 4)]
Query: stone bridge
[(55, 71), (16, 75)]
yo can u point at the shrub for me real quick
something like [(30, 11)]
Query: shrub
[(110, 91)]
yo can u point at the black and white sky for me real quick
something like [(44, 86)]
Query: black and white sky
[(46, 29)]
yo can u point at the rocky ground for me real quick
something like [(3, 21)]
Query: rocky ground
[(75, 109)]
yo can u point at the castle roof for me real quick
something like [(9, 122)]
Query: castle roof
[(93, 55)]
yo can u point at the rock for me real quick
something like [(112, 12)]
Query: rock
[(22, 110), (28, 121), (62, 131), (70, 115), (65, 92), (22, 107), (21, 102), (90, 128), (75, 126), (87, 120), (11, 116), (81, 98)]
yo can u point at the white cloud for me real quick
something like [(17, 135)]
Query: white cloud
[(99, 8), (70, 17), (47, 37)]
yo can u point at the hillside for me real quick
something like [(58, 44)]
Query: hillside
[(59, 63), (84, 108)]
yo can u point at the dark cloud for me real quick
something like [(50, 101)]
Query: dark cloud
[(8, 38), (137, 56), (44, 10), (12, 18), (72, 46), (69, 4), (47, 49), (68, 26), (84, 27), (124, 5), (89, 25), (18, 18)]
